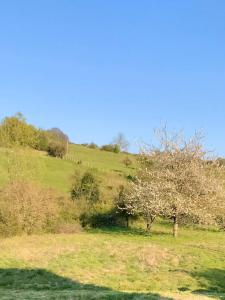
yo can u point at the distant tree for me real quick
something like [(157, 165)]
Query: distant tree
[(176, 181), (111, 148), (58, 134), (57, 143), (93, 146), (122, 142), (15, 131)]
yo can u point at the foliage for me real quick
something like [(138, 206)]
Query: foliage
[(58, 143), (123, 211), (57, 149), (111, 148), (220, 220), (43, 141), (27, 208), (175, 181), (58, 134), (15, 131), (92, 146), (122, 142), (86, 187)]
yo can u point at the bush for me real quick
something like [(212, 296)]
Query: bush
[(43, 142), (57, 149), (86, 187), (111, 148), (27, 208), (127, 161), (58, 143), (92, 146), (15, 131), (117, 148)]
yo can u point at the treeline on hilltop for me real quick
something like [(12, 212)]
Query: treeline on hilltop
[(15, 131)]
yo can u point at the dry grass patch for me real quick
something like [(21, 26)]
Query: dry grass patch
[(151, 257)]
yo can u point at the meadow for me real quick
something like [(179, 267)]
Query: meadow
[(57, 173), (114, 264), (107, 263)]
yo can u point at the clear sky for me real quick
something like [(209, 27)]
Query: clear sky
[(95, 68)]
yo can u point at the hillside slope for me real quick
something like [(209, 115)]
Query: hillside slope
[(57, 173)]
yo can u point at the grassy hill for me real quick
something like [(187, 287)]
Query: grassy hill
[(57, 173), (116, 264)]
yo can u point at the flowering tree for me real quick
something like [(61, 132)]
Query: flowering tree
[(176, 180)]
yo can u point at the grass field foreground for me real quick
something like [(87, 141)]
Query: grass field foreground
[(114, 264)]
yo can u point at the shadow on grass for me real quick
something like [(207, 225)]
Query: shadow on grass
[(120, 230), (128, 231), (211, 281), (39, 283)]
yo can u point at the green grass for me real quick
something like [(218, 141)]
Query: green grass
[(114, 264), (102, 160), (107, 263), (57, 173)]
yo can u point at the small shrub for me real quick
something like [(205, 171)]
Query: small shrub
[(86, 187), (127, 161), (111, 148), (57, 149), (93, 146), (117, 148), (27, 208), (131, 178)]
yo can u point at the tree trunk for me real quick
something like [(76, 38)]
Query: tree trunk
[(127, 221), (175, 226), (148, 225), (149, 222)]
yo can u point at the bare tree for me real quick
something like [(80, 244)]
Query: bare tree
[(122, 142), (176, 180)]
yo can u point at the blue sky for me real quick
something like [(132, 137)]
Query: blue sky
[(95, 68)]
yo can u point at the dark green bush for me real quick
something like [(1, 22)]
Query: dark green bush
[(86, 187), (111, 148)]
